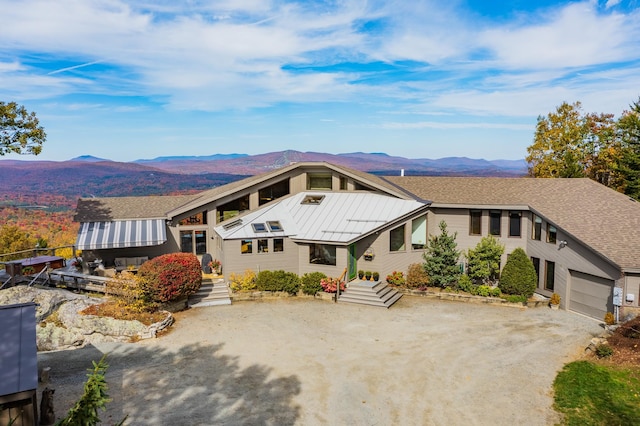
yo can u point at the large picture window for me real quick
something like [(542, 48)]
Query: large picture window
[(475, 222), (319, 181), (419, 233), (322, 254), (536, 228), (190, 240), (396, 239), (495, 222), (273, 192), (515, 224)]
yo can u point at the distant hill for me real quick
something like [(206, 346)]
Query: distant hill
[(87, 176), (378, 163)]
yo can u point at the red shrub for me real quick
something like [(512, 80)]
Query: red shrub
[(170, 276)]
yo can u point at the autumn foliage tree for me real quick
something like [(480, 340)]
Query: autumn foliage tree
[(20, 130)]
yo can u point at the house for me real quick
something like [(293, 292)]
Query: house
[(305, 217)]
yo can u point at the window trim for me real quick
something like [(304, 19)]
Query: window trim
[(403, 246), (551, 240), (512, 218), (495, 214)]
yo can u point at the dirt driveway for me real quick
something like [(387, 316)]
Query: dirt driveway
[(307, 362)]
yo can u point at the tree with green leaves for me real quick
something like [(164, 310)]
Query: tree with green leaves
[(484, 260), (518, 275), (629, 165), (441, 258), (20, 130)]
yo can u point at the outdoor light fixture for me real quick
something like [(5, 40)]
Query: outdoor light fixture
[(563, 243)]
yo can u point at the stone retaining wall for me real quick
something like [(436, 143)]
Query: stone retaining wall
[(443, 295)]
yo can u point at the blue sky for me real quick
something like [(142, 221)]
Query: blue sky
[(126, 80)]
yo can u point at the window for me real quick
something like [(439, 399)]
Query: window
[(495, 217), (343, 183), (322, 254), (232, 208), (274, 226), (259, 227), (246, 246), (536, 229), (263, 246), (191, 239), (273, 192), (278, 245), (196, 219), (550, 274), (552, 233), (536, 266), (312, 199), (396, 239), (475, 222), (515, 224), (319, 181), (419, 233)]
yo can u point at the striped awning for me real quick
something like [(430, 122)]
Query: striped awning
[(121, 234)]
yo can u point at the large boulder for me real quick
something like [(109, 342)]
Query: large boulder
[(48, 300)]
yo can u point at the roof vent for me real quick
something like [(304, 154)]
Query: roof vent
[(233, 224)]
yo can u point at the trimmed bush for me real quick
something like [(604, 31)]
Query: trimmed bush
[(243, 282), (416, 276), (465, 283), (310, 282), (484, 260), (170, 277), (518, 275), (396, 278), (278, 281)]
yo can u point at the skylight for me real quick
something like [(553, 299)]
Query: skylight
[(274, 226), (259, 227), (312, 199)]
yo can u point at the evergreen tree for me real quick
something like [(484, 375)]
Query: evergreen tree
[(441, 258), (484, 260), (629, 165), (518, 275)]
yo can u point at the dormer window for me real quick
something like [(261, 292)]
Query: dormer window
[(275, 226), (312, 199)]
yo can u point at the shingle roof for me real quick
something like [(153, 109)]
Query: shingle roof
[(605, 220), (122, 208), (340, 217)]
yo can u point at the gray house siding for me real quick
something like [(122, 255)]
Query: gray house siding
[(233, 261)]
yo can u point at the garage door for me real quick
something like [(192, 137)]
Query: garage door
[(590, 295)]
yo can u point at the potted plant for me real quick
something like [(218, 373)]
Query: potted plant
[(360, 274), (554, 301), (376, 276), (367, 275)]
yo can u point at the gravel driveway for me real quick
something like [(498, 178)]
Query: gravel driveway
[(307, 362)]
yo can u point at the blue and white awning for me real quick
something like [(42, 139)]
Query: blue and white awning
[(121, 234)]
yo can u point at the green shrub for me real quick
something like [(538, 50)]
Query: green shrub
[(603, 350), (514, 298), (170, 276), (278, 281), (416, 276), (519, 275), (484, 260), (310, 282), (485, 291), (465, 283), (243, 282)]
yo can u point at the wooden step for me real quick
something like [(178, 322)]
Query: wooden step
[(370, 293), (211, 293)]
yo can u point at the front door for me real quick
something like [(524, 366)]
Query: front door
[(352, 264)]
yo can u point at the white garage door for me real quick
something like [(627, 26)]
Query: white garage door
[(590, 295)]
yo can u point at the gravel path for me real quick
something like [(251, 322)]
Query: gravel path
[(307, 362)]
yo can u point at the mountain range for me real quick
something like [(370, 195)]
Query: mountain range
[(87, 176)]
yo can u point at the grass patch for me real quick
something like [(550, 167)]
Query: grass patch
[(598, 394)]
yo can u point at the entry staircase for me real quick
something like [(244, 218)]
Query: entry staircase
[(212, 292), (372, 293)]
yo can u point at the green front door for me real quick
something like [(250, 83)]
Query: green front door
[(352, 264)]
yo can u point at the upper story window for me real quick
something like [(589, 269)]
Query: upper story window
[(232, 209), (272, 192), (495, 222), (317, 181), (343, 183), (419, 233), (196, 219), (515, 224), (396, 239), (475, 222), (552, 233), (536, 228)]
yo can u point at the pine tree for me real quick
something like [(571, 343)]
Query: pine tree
[(518, 275), (441, 258), (484, 260)]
